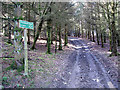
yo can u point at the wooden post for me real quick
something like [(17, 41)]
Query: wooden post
[(25, 53)]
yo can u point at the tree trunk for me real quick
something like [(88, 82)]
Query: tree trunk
[(52, 35), (79, 32), (28, 34), (34, 23), (9, 36), (102, 43), (56, 39), (109, 26), (114, 47), (110, 40), (66, 37), (34, 28), (5, 31), (86, 33), (96, 27), (101, 35), (60, 42), (49, 36), (38, 32), (97, 35), (118, 39), (82, 29), (104, 37), (90, 34), (113, 30), (93, 34)]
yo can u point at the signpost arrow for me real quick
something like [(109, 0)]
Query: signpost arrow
[(25, 25)]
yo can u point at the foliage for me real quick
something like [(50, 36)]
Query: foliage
[(13, 66)]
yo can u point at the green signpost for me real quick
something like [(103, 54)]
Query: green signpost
[(26, 25)]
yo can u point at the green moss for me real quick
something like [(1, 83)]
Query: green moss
[(8, 58), (43, 53), (21, 18), (4, 78), (17, 29), (41, 58), (7, 43), (21, 68), (4, 81), (13, 66), (18, 18)]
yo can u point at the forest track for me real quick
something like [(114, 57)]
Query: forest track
[(84, 70)]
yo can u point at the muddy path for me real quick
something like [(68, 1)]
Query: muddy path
[(83, 70)]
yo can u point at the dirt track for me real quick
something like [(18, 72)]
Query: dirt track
[(83, 70)]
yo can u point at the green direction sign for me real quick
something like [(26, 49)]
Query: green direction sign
[(26, 24)]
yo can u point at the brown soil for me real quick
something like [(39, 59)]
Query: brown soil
[(42, 67)]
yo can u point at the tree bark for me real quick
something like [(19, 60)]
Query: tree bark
[(38, 32), (9, 36), (109, 26), (28, 34), (82, 29), (52, 35), (60, 42), (102, 43), (56, 32), (113, 30), (93, 34), (97, 35), (79, 32), (118, 39), (66, 37), (49, 36), (104, 37), (90, 34)]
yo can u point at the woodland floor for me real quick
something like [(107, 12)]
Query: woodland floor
[(74, 67)]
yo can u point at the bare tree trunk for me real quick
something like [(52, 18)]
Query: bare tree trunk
[(49, 36), (96, 27), (104, 37), (109, 26), (79, 32), (102, 44), (9, 36), (82, 29), (90, 34), (28, 34), (113, 30), (97, 35), (86, 34), (118, 39), (34, 26), (56, 32), (93, 33), (52, 35), (37, 33), (60, 42), (66, 37)]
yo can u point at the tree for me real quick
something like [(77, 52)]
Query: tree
[(113, 30), (49, 33), (66, 36), (42, 15)]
